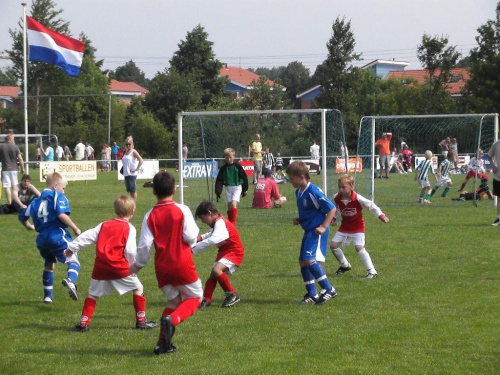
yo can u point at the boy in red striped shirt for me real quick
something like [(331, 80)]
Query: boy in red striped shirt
[(225, 236), (115, 253), (350, 204)]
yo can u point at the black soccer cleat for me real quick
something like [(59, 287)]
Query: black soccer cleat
[(146, 325), (341, 270), (324, 296), (168, 330), (80, 328), (309, 299), (231, 299), (159, 350), (205, 304)]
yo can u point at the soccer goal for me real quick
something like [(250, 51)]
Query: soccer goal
[(473, 132), (287, 133)]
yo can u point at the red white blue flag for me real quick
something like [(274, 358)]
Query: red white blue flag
[(49, 46)]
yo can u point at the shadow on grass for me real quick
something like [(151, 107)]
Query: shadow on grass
[(98, 352)]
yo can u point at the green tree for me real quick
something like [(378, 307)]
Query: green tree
[(339, 78), (438, 59), (195, 58), (482, 91), (8, 77), (263, 96), (296, 78), (151, 138), (130, 73)]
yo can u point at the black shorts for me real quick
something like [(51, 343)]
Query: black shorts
[(496, 188)]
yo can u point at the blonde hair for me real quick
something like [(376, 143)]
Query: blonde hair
[(124, 206), (130, 140), (228, 152), (53, 179), (298, 168), (346, 178)]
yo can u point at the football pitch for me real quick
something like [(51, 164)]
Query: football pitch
[(434, 309)]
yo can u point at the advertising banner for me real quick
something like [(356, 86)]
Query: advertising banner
[(71, 170), (200, 169), (353, 165), (148, 170)]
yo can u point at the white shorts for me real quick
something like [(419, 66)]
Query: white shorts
[(358, 239), (424, 183), (233, 193), (230, 265), (9, 179), (100, 288), (442, 180), (193, 290)]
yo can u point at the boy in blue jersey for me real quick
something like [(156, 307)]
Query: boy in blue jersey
[(50, 214), (316, 212), (421, 175)]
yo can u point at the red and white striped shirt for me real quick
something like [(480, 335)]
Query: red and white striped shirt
[(350, 209)]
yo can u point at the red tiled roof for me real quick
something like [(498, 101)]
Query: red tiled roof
[(115, 85), (240, 75), (420, 75), (11, 91)]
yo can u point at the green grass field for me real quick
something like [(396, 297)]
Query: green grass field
[(433, 310)]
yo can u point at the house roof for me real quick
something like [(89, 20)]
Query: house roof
[(385, 62), (453, 88), (10, 91), (317, 87), (240, 76), (130, 88)]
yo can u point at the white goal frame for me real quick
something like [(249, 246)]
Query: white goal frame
[(323, 112)]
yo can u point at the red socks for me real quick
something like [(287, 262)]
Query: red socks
[(225, 284), (209, 289), (88, 311), (140, 308), (187, 308), (232, 214)]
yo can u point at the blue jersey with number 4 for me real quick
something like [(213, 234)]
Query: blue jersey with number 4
[(45, 210)]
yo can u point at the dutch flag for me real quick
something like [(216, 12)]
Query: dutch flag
[(49, 46)]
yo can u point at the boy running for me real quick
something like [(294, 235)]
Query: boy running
[(443, 177), (115, 253), (50, 213), (233, 176), (171, 228), (225, 236), (421, 175), (316, 212), (352, 229)]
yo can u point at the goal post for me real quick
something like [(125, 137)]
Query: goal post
[(287, 132), (421, 132)]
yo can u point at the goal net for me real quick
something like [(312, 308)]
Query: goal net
[(472, 132), (287, 133)]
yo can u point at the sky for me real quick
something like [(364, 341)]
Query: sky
[(259, 33)]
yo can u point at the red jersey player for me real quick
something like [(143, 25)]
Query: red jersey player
[(171, 228), (350, 204), (266, 193), (115, 253), (225, 236)]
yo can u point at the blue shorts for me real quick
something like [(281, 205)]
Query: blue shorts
[(131, 184), (314, 247), (52, 244)]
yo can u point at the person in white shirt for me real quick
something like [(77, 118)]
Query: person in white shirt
[(59, 152), (314, 150)]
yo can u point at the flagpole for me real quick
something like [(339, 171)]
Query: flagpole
[(25, 68)]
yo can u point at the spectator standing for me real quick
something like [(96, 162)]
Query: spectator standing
[(268, 159), (79, 150), (89, 151), (184, 152), (67, 152), (314, 150), (48, 154), (10, 155), (454, 148), (445, 146), (132, 163), (38, 156), (384, 145), (114, 156), (256, 149), (59, 152), (494, 158)]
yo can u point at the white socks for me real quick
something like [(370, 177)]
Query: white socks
[(367, 261)]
